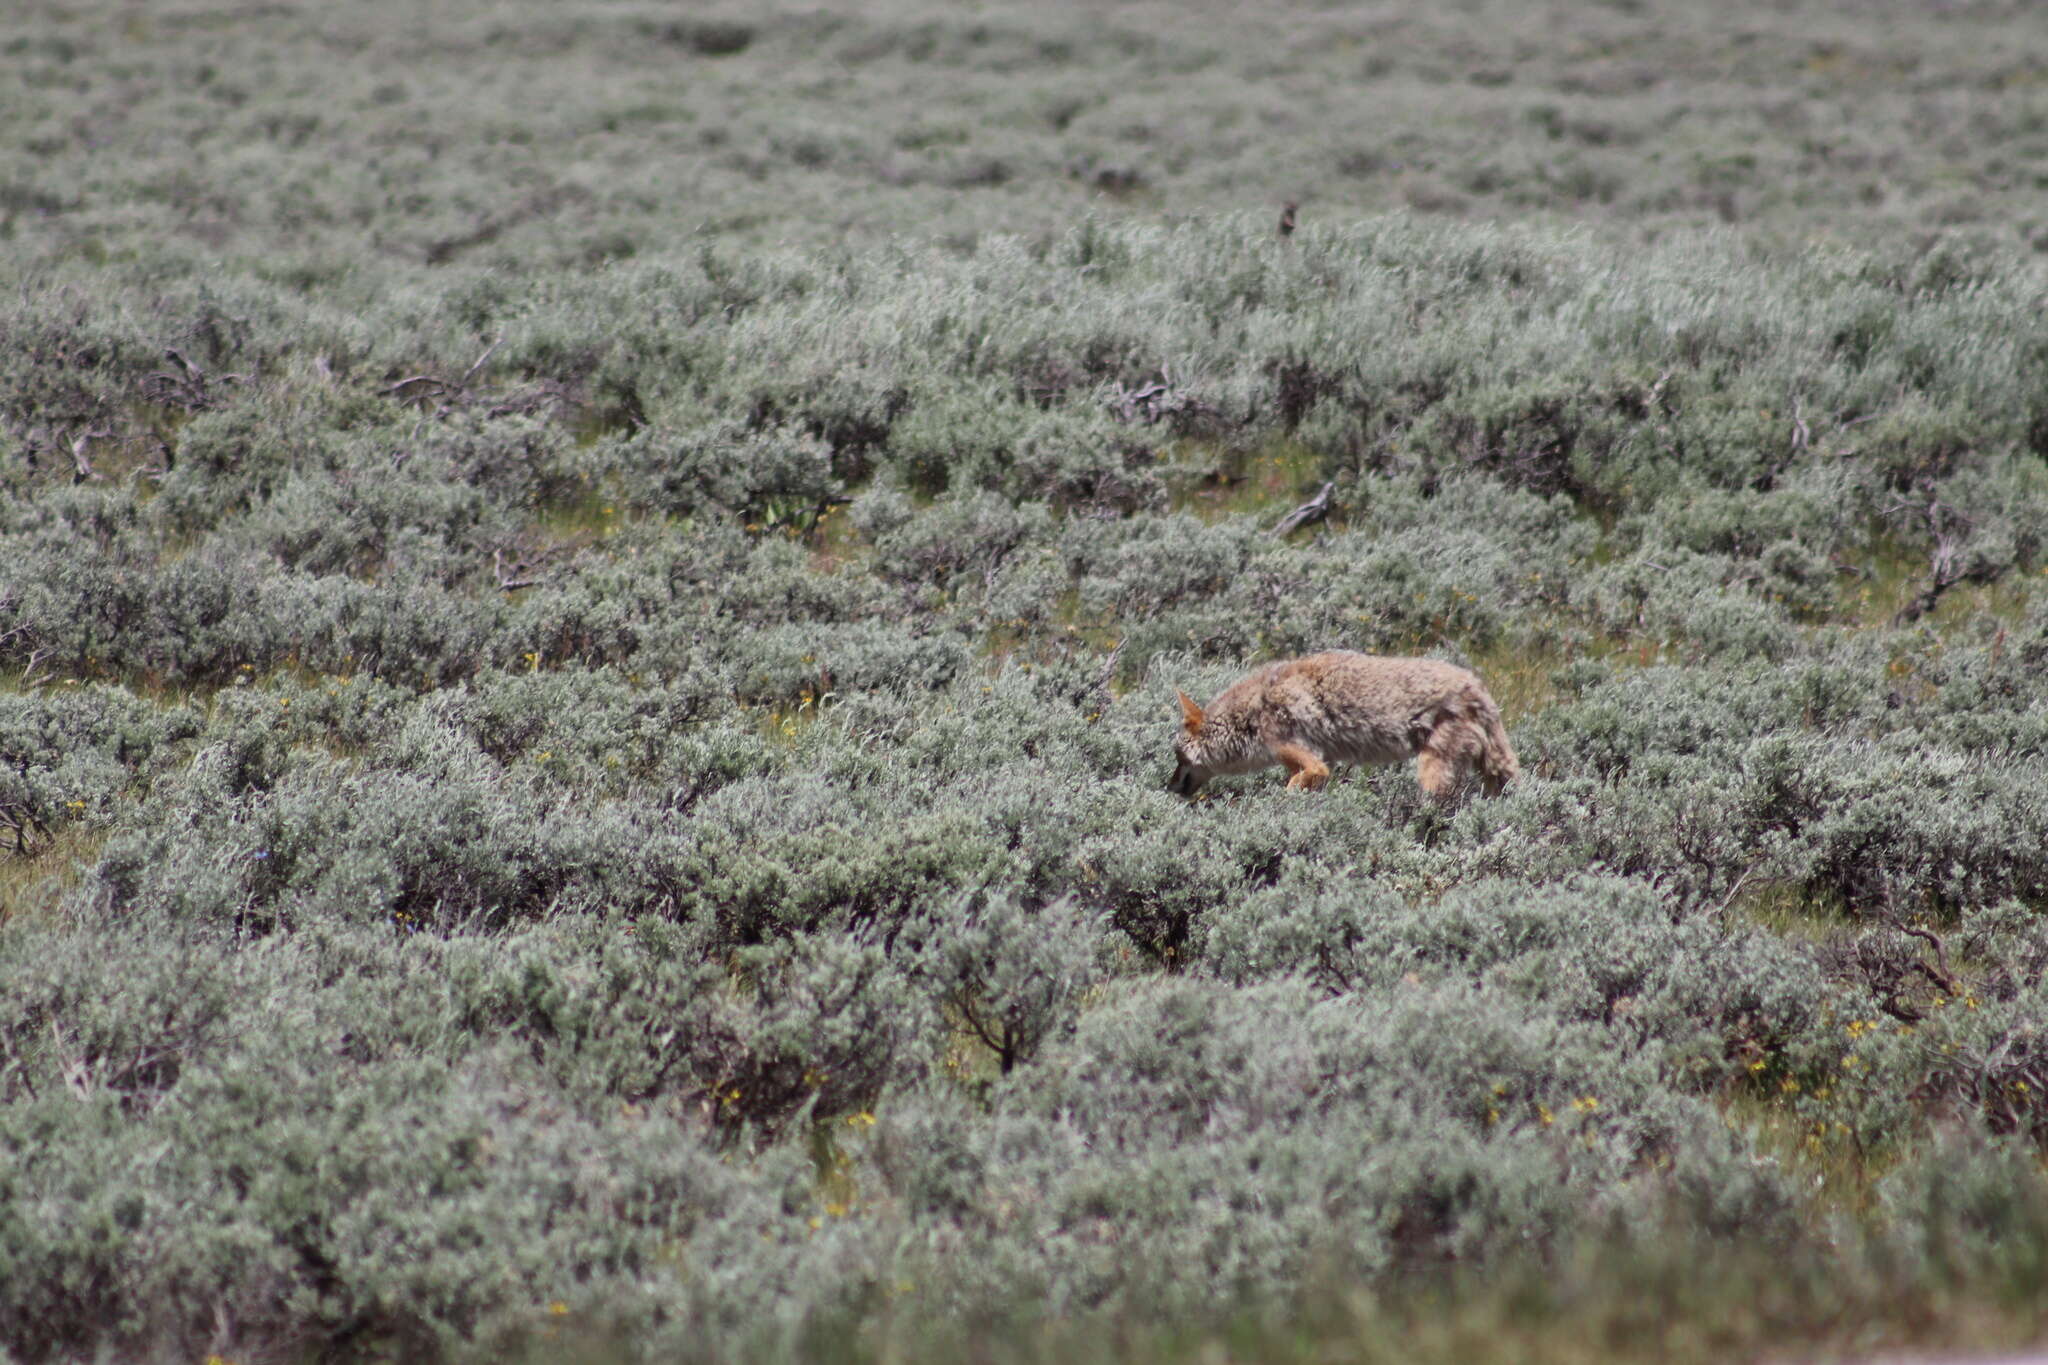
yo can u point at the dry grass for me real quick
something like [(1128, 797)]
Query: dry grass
[(35, 882), (1521, 678), (1883, 581)]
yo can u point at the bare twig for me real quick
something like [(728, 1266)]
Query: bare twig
[(519, 563), (1156, 401), (1315, 509), (1108, 675), (81, 463), (1939, 974), (1950, 530), (507, 581), (188, 387), (438, 397), (478, 364), (20, 822), (525, 402), (1736, 889), (31, 676), (1900, 1010)]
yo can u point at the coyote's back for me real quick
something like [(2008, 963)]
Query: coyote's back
[(1343, 707)]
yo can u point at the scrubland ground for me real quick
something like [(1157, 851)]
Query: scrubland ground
[(590, 602)]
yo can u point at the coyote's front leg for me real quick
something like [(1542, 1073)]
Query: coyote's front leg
[(1305, 768)]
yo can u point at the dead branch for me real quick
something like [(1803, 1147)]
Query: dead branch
[(1315, 509), (525, 568), (1940, 973), (1108, 675), (1950, 530), (1900, 1010), (32, 675), (525, 402), (429, 389), (1141, 404), (188, 387), (1156, 401), (81, 463), (509, 581), (24, 828), (1736, 889), (463, 384)]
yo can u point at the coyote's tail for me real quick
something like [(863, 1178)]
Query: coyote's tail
[(1497, 763)]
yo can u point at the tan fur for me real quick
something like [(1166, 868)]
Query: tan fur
[(1342, 707)]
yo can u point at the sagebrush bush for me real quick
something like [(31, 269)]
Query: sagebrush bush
[(583, 749)]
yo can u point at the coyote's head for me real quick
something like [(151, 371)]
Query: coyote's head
[(1189, 771)]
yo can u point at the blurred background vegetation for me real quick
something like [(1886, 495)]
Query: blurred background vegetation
[(534, 136), (590, 602)]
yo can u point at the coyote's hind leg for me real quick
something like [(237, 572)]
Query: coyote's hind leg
[(1306, 769)]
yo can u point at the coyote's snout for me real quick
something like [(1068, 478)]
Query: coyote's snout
[(1342, 707)]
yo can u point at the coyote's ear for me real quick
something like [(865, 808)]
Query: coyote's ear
[(1191, 714)]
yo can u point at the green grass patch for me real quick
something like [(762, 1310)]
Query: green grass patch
[(1216, 481), (38, 879)]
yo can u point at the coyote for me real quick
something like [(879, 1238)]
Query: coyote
[(1342, 707)]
